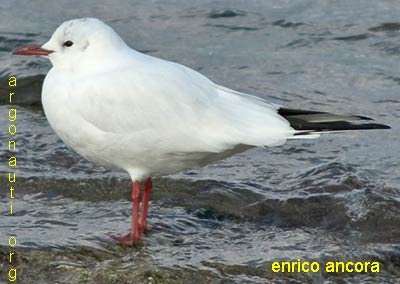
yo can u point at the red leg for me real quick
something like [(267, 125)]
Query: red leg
[(145, 204), (135, 236), (135, 232)]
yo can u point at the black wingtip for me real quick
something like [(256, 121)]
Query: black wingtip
[(298, 120), (384, 126), (363, 117), (366, 126), (290, 111)]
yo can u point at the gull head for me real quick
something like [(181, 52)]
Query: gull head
[(78, 42)]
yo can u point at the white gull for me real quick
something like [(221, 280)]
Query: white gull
[(150, 117)]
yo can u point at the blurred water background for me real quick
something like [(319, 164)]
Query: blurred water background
[(334, 198)]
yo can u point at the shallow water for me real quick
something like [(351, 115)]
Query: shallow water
[(336, 197)]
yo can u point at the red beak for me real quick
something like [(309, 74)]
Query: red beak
[(32, 50)]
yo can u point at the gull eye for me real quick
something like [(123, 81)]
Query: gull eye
[(68, 43)]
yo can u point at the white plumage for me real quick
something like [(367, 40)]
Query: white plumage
[(150, 117)]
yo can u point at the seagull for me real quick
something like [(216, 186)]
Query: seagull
[(150, 117)]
